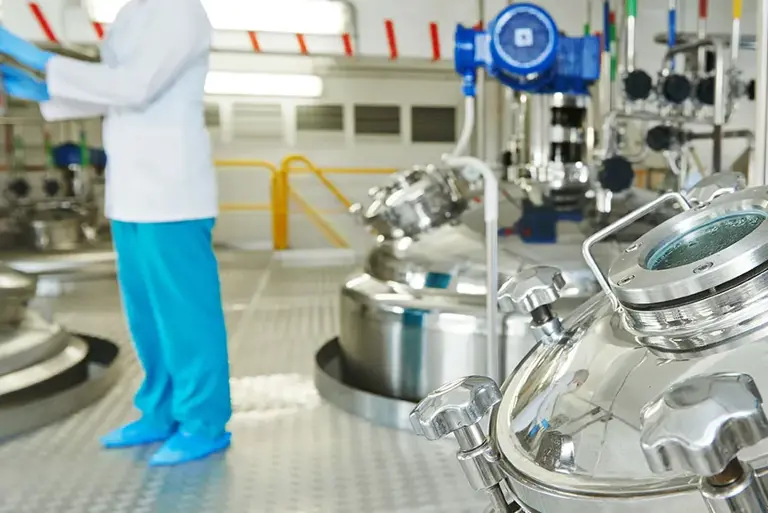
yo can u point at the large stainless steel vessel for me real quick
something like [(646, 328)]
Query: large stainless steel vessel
[(45, 372), (414, 316), (648, 397)]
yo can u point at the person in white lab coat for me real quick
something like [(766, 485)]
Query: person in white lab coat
[(162, 201)]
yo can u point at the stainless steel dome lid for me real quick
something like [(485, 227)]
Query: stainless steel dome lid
[(569, 426), (578, 424)]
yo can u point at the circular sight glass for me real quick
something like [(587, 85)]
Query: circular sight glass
[(704, 241)]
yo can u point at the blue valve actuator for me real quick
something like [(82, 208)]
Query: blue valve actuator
[(70, 153), (523, 49)]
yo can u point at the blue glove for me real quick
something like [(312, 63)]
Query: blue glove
[(23, 51), (19, 84)]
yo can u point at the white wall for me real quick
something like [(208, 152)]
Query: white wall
[(278, 138)]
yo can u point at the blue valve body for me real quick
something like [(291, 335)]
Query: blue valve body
[(524, 50), (70, 154)]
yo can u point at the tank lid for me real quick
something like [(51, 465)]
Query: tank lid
[(699, 253)]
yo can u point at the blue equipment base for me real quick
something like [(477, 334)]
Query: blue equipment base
[(538, 224)]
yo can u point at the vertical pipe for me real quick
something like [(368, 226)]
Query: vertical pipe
[(736, 32), (48, 149), (606, 26), (701, 32), (613, 45), (9, 150), (719, 108), (672, 29), (759, 172), (481, 101), (618, 26), (631, 7), (588, 21)]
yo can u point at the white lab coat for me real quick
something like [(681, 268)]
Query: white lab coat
[(150, 88)]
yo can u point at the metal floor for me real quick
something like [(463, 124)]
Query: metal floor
[(290, 453)]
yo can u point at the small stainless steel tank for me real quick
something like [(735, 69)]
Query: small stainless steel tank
[(413, 317)]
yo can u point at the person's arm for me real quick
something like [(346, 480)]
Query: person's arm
[(176, 33), (65, 110)]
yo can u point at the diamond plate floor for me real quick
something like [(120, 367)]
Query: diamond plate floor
[(291, 452)]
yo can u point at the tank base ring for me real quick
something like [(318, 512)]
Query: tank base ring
[(377, 409), (20, 417)]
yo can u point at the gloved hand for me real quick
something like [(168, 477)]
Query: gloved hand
[(23, 51), (23, 86)]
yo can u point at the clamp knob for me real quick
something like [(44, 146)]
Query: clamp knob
[(617, 174), (533, 288), (751, 90), (715, 185), (51, 186), (701, 423), (20, 187), (663, 138), (676, 88), (455, 406), (638, 85), (705, 90)]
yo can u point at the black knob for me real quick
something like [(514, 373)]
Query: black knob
[(662, 138), (506, 159), (617, 174), (705, 90), (638, 85), (51, 187), (709, 61), (751, 94), (20, 187), (676, 88)]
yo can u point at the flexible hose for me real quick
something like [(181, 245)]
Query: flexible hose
[(495, 350), (467, 129)]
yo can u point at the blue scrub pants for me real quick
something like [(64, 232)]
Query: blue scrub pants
[(169, 283)]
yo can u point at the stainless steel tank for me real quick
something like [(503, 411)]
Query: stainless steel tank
[(414, 317), (46, 372), (648, 397), (16, 291), (57, 228)]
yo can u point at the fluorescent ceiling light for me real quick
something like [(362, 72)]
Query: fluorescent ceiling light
[(224, 83), (324, 17)]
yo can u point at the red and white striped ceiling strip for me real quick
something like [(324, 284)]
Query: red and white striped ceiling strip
[(301, 42)]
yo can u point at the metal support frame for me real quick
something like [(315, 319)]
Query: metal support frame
[(760, 174)]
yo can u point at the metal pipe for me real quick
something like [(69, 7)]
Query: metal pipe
[(661, 118), (702, 34), (588, 21), (726, 134), (721, 97), (672, 28), (717, 148), (736, 31), (481, 100), (761, 99), (684, 48), (496, 356), (631, 7)]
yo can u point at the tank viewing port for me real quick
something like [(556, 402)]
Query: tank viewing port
[(704, 241)]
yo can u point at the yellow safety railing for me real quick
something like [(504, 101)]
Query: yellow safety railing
[(281, 193), (287, 167)]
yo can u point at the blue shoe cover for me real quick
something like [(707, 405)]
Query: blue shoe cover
[(136, 433), (184, 447)]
